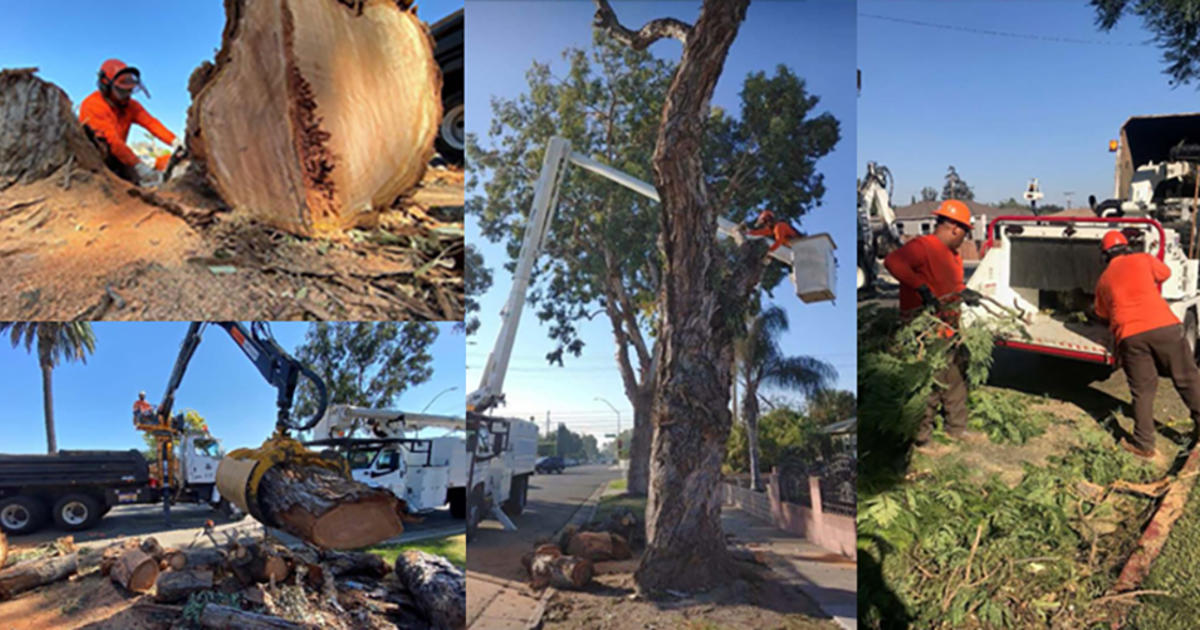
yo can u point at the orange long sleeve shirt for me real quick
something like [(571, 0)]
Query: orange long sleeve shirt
[(925, 261), (113, 124), (782, 231), (1127, 295)]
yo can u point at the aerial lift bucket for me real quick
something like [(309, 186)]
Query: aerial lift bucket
[(814, 270)]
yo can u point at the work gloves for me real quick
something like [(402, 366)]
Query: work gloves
[(927, 298), (970, 297), (146, 175), (178, 145)]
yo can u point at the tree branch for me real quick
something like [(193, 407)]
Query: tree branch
[(653, 30)]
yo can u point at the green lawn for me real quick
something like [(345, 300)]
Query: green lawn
[(454, 548), (614, 502), (1177, 571), (617, 484)]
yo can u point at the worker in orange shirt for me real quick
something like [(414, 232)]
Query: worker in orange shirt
[(930, 271), (767, 225), (108, 113), (143, 412), (1147, 335)]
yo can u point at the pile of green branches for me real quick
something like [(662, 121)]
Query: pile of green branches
[(1005, 416)]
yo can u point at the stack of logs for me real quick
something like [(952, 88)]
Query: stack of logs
[(568, 563), (421, 591)]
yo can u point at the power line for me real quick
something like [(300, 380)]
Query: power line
[(984, 31)]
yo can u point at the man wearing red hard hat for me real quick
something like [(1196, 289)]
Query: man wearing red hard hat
[(1147, 335), (108, 113), (930, 271)]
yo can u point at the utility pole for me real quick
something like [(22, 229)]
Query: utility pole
[(547, 423)]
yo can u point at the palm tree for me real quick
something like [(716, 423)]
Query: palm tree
[(56, 342), (760, 361)]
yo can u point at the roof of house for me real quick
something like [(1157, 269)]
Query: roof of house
[(923, 209)]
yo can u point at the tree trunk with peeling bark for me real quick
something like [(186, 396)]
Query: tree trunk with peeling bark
[(698, 302), (39, 134), (436, 586), (33, 573), (316, 114), (637, 478)]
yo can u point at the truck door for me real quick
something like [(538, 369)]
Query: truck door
[(201, 457)]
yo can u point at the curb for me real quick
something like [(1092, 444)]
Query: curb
[(582, 515)]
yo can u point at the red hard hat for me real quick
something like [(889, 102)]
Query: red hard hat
[(954, 210), (1112, 238), (765, 215), (115, 73)]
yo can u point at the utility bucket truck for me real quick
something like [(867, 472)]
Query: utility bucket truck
[(877, 231), (1046, 267), (504, 450), (383, 450)]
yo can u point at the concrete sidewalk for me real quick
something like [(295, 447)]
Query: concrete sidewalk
[(829, 579)]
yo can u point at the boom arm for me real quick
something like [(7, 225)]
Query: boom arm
[(383, 423), (558, 156), (279, 368)]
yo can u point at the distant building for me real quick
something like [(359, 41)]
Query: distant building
[(917, 220), (843, 434)]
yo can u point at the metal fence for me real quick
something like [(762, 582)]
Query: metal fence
[(837, 478)]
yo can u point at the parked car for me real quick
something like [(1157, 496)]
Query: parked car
[(547, 465)]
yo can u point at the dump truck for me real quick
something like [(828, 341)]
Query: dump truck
[(75, 489), (1045, 268)]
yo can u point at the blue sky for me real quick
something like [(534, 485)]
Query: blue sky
[(68, 40), (1003, 109), (819, 40), (93, 402)]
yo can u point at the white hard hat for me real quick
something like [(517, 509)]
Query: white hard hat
[(142, 394)]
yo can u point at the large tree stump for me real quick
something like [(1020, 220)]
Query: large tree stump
[(38, 132), (135, 570), (174, 586), (26, 575), (223, 617), (437, 587), (323, 508), (317, 113)]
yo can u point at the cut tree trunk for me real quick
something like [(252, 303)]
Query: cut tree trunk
[(201, 558), (26, 575), (174, 586), (437, 587), (38, 132), (354, 563), (699, 296), (598, 546), (3, 550), (150, 547), (135, 570), (317, 113), (221, 617), (113, 552), (550, 567), (323, 508)]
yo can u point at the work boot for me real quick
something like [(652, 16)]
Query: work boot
[(1144, 454)]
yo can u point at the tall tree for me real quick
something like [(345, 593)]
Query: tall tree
[(56, 342), (477, 279), (1176, 28), (762, 362), (702, 302), (928, 193), (955, 187), (831, 405), (369, 364)]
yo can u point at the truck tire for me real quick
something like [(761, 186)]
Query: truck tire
[(450, 139), (517, 495), (74, 512), (458, 502), (22, 515), (476, 508)]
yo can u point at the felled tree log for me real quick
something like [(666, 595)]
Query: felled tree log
[(549, 567), (174, 586), (113, 552), (325, 509), (200, 558), (38, 132), (3, 550), (150, 547), (222, 617), (354, 563), (598, 546), (437, 587), (316, 113), (26, 575), (135, 570)]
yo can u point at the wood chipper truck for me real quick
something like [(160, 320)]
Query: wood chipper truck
[(1046, 267), (427, 472), (504, 450)]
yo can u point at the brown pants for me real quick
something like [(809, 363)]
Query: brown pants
[(1142, 355), (950, 397)]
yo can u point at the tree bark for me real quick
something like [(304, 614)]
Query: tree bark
[(174, 586), (437, 587), (220, 617), (134, 570), (26, 575), (39, 133), (316, 114), (598, 546), (355, 563), (698, 302), (152, 548), (637, 478), (3, 550), (327, 510), (48, 402), (549, 567), (200, 558)]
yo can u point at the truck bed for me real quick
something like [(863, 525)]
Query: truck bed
[(106, 468), (1054, 334)]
